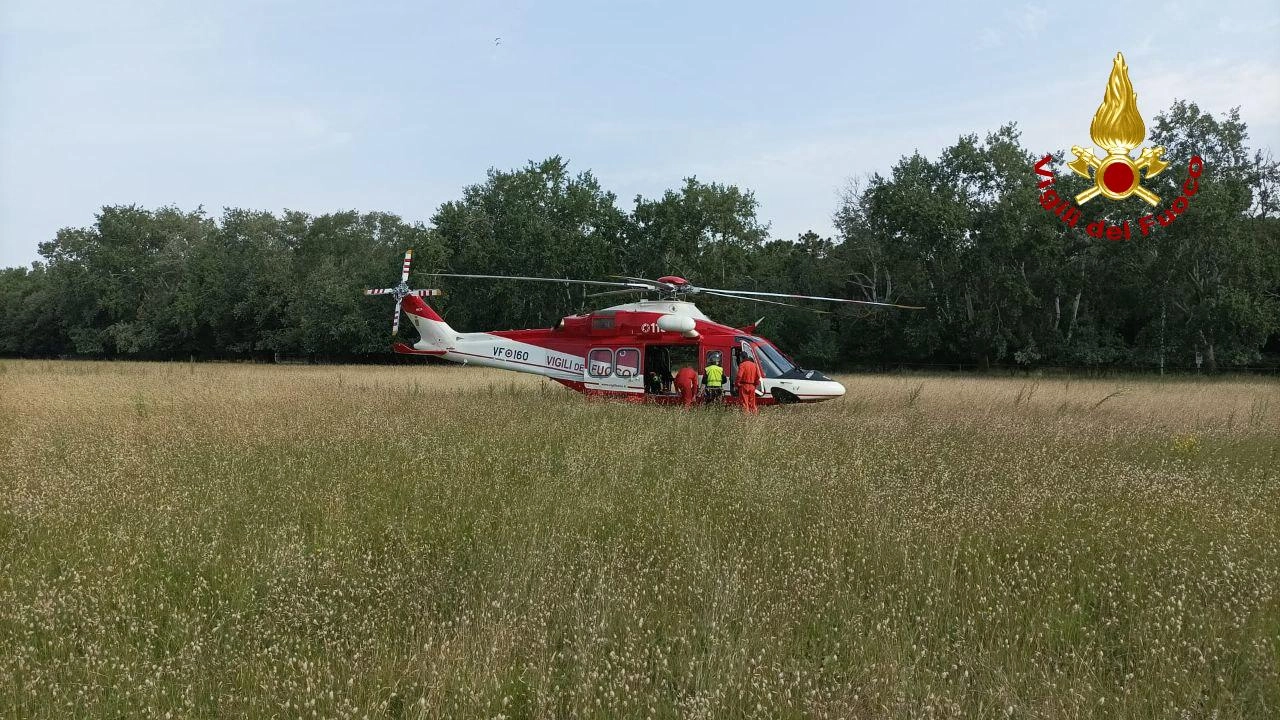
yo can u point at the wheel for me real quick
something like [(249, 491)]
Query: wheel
[(784, 397)]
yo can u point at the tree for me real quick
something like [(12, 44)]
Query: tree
[(1212, 267), (538, 221), (115, 282), (963, 234), (704, 231), (30, 324), (334, 257)]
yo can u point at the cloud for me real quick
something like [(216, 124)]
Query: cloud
[(1255, 24), (1033, 19), (1216, 86), (266, 127), (1027, 22)]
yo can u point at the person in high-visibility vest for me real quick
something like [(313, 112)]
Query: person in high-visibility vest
[(747, 381), (713, 378), (687, 384)]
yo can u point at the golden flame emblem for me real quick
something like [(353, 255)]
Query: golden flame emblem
[(1117, 127)]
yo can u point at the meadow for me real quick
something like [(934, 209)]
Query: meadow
[(209, 540)]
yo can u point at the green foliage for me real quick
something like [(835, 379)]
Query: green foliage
[(1004, 282), (705, 231), (538, 221), (1007, 282)]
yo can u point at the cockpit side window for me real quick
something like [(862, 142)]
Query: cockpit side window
[(767, 366), (772, 363)]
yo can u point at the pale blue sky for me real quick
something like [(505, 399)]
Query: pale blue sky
[(325, 106)]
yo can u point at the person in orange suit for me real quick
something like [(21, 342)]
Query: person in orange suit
[(748, 380), (687, 383)]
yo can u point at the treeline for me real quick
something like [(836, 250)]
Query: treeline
[(1004, 281)]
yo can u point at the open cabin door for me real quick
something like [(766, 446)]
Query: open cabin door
[(610, 370), (741, 351)]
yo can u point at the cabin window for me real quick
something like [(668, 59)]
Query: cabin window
[(627, 363), (601, 323), (600, 363)]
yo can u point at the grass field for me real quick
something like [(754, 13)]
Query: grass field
[(399, 542)]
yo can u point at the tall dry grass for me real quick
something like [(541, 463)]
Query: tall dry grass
[(249, 541)]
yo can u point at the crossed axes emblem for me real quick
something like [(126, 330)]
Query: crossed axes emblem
[(1116, 175)]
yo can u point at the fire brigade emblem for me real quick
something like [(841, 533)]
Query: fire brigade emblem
[(1118, 128)]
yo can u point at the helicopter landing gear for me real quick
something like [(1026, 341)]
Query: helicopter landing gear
[(784, 397)]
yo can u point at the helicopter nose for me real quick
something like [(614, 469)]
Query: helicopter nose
[(819, 390)]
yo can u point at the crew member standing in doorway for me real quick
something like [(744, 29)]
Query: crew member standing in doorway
[(714, 378), (687, 384), (747, 381)]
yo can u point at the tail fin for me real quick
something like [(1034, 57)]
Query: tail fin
[(436, 334)]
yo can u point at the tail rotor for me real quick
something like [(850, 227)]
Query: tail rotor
[(402, 291)]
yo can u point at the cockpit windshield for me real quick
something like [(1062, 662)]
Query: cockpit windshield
[(773, 363)]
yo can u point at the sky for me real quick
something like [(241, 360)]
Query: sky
[(326, 106)]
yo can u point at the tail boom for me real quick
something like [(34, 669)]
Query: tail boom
[(497, 350)]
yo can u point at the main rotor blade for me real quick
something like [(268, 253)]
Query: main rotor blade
[(647, 281), (538, 279), (618, 292), (395, 322), (408, 258), (815, 297), (760, 300)]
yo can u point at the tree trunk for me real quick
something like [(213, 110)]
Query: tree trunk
[(1162, 318), (1075, 309)]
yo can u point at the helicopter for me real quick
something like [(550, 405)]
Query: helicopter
[(624, 351)]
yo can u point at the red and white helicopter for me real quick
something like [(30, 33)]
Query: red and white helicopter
[(612, 351)]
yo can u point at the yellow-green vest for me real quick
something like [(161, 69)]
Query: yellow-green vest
[(715, 376)]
